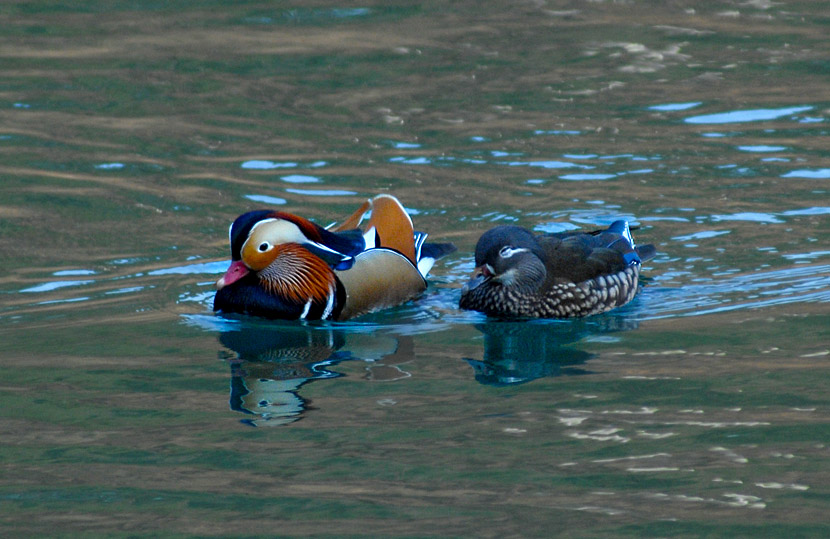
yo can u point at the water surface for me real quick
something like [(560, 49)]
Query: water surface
[(131, 136)]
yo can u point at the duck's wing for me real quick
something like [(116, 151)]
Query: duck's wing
[(595, 245), (338, 249), (380, 278), (576, 257), (389, 225), (392, 226)]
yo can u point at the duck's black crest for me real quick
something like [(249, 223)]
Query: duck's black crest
[(240, 229)]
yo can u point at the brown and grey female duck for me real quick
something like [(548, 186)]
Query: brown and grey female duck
[(562, 275), (284, 266)]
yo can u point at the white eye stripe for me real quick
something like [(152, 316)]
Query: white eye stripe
[(276, 232), (507, 251), (260, 223)]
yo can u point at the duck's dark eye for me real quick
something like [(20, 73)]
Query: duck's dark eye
[(264, 246)]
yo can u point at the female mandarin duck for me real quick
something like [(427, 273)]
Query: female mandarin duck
[(560, 275), (284, 266)]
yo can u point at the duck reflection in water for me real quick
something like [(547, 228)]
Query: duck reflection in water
[(516, 352), (274, 361)]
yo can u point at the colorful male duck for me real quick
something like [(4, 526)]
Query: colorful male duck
[(563, 275), (284, 266)]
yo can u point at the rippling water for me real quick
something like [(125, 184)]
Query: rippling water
[(132, 134)]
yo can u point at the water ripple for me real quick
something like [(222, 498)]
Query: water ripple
[(668, 107), (739, 116), (54, 285), (265, 199), (801, 284), (821, 173)]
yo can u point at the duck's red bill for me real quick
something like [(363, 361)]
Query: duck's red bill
[(234, 273)]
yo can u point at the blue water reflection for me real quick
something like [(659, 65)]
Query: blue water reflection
[(703, 234), (265, 199), (821, 173), (552, 164), (258, 164), (306, 15), (545, 164), (54, 285), (738, 116), (761, 148), (815, 210), (300, 178), (404, 145), (189, 269), (321, 192), (586, 177), (557, 132), (747, 216), (411, 160), (669, 107), (261, 164)]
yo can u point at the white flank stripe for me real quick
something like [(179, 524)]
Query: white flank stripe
[(306, 309), (329, 305)]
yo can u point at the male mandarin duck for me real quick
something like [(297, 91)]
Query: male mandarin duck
[(561, 275), (284, 266)]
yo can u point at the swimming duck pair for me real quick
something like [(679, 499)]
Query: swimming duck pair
[(284, 266)]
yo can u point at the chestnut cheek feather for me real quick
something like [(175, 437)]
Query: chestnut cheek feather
[(298, 275)]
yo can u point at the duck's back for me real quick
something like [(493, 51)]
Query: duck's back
[(580, 256)]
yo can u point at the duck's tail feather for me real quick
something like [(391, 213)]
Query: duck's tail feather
[(430, 252), (641, 253), (621, 227)]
